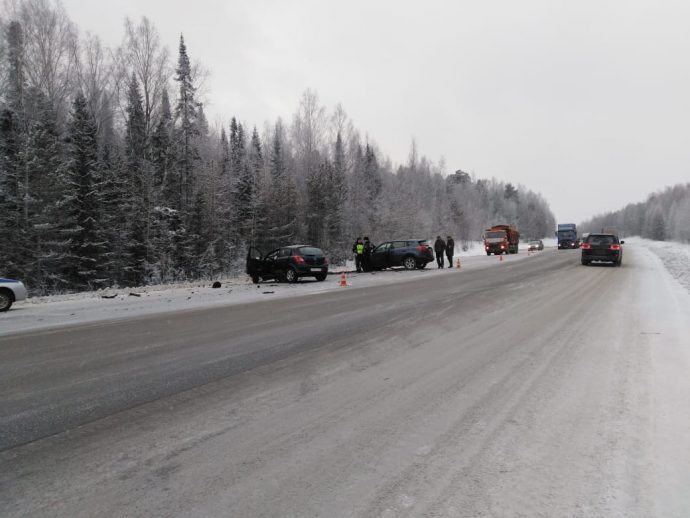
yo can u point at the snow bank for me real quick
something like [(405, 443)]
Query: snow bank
[(675, 257)]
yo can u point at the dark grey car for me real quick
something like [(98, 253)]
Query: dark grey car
[(288, 263), (602, 247), (409, 253)]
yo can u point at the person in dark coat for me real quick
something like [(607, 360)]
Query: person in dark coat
[(366, 257), (358, 250), (439, 248), (450, 248)]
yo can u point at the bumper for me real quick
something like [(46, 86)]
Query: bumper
[(610, 258), (307, 271)]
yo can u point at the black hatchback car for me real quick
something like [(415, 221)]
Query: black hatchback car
[(410, 253), (288, 263), (602, 247)]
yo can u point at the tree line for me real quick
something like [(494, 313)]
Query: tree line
[(664, 215), (110, 173)]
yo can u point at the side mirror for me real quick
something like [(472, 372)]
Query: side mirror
[(622, 242)]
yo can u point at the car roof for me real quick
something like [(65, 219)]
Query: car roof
[(391, 240)]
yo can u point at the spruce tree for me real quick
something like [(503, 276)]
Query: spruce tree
[(137, 197), (187, 157), (282, 225), (82, 268)]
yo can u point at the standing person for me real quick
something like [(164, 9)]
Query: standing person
[(366, 257), (439, 248), (450, 248), (358, 250)]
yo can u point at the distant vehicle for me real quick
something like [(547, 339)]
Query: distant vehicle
[(11, 291), (501, 239), (535, 244), (410, 253), (567, 236), (602, 247), (287, 263)]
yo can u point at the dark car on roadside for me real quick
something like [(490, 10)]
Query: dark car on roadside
[(602, 248), (409, 253), (287, 263)]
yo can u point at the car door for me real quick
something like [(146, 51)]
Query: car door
[(379, 257), (282, 262), (269, 263), (397, 253), (254, 262)]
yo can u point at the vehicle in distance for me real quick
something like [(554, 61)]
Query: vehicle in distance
[(602, 247), (535, 244), (287, 263), (409, 253), (501, 239), (11, 291), (567, 236)]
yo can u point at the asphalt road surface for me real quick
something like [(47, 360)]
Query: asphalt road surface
[(531, 388)]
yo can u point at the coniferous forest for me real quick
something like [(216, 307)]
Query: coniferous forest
[(111, 174)]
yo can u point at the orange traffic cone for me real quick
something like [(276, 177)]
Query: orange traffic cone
[(343, 280), (457, 263), (500, 258)]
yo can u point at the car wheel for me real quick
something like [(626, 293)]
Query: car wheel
[(585, 262), (6, 300), (291, 275), (409, 263), (321, 277)]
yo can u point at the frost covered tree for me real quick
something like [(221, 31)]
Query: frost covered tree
[(83, 265)]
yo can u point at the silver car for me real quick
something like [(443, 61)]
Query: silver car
[(11, 291)]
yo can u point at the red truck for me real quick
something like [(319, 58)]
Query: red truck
[(501, 239)]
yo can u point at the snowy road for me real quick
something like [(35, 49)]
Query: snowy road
[(531, 388)]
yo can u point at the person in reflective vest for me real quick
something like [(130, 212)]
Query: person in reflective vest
[(358, 250)]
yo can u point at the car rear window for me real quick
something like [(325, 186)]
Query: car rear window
[(310, 250), (602, 240), (421, 242)]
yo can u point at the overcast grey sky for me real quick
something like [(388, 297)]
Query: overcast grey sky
[(587, 102)]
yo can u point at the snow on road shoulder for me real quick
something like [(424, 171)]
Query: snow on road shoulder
[(80, 308), (674, 256)]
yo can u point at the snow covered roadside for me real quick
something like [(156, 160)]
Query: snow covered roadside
[(674, 256), (79, 308)]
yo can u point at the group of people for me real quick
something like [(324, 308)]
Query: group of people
[(362, 251), (441, 247)]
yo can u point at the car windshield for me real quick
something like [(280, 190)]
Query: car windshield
[(310, 250), (500, 234)]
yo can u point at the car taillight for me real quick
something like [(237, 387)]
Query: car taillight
[(421, 248), (586, 246), (615, 247), (298, 259)]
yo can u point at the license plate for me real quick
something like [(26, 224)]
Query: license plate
[(316, 269)]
